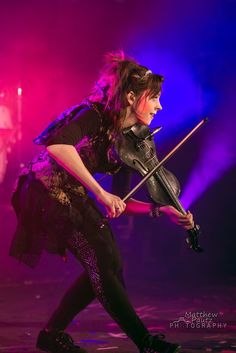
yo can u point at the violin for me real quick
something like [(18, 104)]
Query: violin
[(136, 149)]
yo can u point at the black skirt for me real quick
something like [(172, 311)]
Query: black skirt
[(42, 221)]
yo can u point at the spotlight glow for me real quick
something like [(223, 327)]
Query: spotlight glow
[(19, 91), (217, 158)]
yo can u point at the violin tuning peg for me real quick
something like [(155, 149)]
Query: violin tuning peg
[(154, 131)]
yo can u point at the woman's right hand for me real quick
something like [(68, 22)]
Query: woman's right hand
[(113, 204)]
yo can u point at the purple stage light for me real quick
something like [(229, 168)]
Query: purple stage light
[(218, 156)]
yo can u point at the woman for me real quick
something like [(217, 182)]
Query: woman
[(56, 213)]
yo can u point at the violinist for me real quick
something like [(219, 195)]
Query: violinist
[(55, 212)]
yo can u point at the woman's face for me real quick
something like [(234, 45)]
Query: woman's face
[(146, 107)]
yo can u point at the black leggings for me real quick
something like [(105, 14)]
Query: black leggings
[(97, 251)]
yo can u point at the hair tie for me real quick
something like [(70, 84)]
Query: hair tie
[(148, 72)]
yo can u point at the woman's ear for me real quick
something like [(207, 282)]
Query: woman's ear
[(131, 98)]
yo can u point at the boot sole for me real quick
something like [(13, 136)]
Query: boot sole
[(174, 349)]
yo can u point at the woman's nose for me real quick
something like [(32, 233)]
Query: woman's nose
[(158, 106)]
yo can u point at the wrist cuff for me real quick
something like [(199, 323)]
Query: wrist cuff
[(155, 212)]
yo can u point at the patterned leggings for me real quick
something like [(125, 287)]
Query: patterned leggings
[(96, 249)]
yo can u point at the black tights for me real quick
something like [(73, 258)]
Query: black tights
[(96, 249)]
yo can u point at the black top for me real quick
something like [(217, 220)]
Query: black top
[(85, 123)]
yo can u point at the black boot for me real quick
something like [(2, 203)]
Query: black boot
[(153, 344), (56, 341)]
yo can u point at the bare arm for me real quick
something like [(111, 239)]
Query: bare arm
[(137, 207), (134, 207), (68, 157)]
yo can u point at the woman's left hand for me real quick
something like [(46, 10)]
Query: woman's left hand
[(186, 221)]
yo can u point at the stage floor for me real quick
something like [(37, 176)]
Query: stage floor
[(26, 305)]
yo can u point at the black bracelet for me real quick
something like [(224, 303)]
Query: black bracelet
[(155, 211)]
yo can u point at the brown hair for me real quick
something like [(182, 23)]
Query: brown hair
[(120, 75)]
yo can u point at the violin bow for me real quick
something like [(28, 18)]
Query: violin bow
[(165, 159)]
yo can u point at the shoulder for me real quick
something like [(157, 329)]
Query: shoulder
[(92, 118)]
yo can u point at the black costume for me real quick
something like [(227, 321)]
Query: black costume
[(55, 213)]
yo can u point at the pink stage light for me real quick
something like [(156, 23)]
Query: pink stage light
[(19, 91)]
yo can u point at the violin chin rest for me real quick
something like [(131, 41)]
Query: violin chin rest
[(195, 247), (192, 239), (198, 249)]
